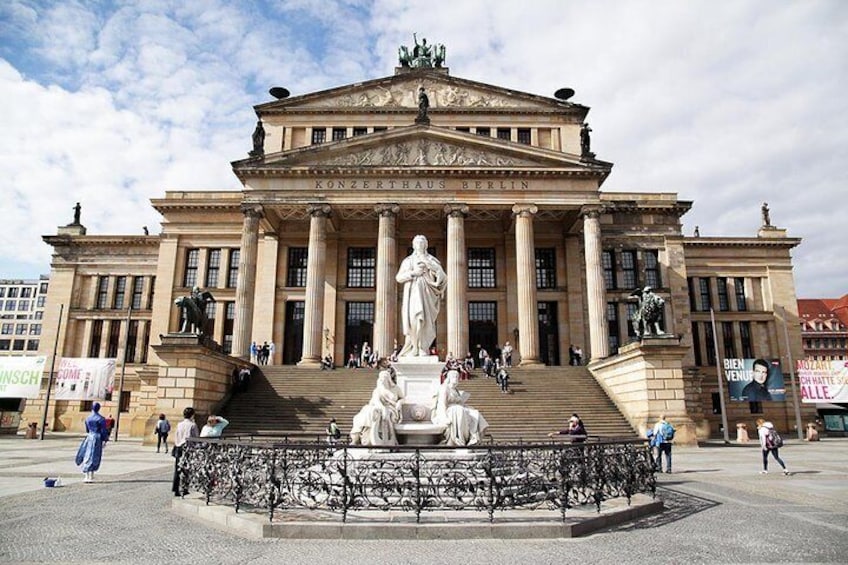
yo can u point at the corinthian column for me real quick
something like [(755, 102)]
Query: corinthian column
[(313, 317), (385, 307), (457, 271), (525, 262), (246, 281), (595, 292)]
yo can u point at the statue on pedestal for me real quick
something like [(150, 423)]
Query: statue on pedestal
[(766, 215), (424, 283), (194, 310), (646, 319), (258, 138), (465, 425), (375, 423)]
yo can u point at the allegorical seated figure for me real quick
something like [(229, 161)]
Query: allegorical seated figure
[(464, 425), (375, 422)]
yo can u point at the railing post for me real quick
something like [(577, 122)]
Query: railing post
[(418, 501)]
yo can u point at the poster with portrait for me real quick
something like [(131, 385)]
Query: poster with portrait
[(754, 380), (20, 377), (823, 381), (85, 379)]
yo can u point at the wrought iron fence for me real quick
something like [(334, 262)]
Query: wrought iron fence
[(276, 477)]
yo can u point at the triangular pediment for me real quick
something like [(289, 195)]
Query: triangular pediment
[(421, 147), (401, 92)]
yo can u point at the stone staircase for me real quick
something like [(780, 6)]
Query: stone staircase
[(286, 399)]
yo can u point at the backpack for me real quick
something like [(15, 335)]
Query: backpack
[(334, 431), (668, 431), (773, 439)]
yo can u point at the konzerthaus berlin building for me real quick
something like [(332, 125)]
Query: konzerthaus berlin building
[(509, 196)]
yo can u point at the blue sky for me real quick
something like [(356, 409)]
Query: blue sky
[(728, 104)]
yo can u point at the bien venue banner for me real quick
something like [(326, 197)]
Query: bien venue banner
[(823, 381), (754, 380), (20, 377), (85, 379)]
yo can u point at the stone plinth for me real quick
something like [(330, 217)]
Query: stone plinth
[(418, 378)]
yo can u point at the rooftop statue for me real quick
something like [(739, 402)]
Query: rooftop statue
[(258, 140), (585, 141), (423, 56), (766, 215), (77, 212), (424, 282), (423, 106)]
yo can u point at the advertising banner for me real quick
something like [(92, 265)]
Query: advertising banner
[(85, 379), (754, 380), (20, 377), (823, 381)]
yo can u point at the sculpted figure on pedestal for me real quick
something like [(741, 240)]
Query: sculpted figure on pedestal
[(424, 283), (465, 425), (375, 422)]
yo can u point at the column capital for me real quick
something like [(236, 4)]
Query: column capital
[(525, 210), (319, 210), (456, 210), (592, 211), (253, 210), (387, 210)]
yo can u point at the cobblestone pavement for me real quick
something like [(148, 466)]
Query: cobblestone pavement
[(719, 510)]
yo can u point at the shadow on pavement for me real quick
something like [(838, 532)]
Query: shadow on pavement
[(678, 506)]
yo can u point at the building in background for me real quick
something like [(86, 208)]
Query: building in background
[(22, 315), (824, 327)]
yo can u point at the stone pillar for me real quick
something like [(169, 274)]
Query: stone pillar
[(595, 291), (313, 318), (385, 303), (525, 263), (246, 282), (457, 271)]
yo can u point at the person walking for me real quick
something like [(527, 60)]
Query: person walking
[(163, 427), (770, 442), (185, 429), (90, 451), (110, 424), (663, 435), (334, 433)]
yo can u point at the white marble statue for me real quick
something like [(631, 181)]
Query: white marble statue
[(465, 425), (424, 282), (375, 422)]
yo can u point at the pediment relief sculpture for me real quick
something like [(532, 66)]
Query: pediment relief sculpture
[(424, 152)]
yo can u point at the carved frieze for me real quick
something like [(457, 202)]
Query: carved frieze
[(424, 152)]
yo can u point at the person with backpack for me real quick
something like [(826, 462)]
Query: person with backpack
[(334, 433), (163, 428), (661, 438), (770, 442)]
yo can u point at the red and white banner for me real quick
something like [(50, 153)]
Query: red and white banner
[(823, 381), (20, 377), (85, 379)]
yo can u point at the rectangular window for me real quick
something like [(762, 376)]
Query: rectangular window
[(209, 328), (125, 401), (609, 269), (5, 344), (190, 274), (150, 296), (652, 268), (213, 268), (747, 344), (504, 133), (20, 329), (614, 332), (710, 343), (132, 337), (741, 303), (11, 304), (102, 292), (18, 345), (233, 268), (23, 305), (481, 267), (693, 304), (137, 292), (706, 297), (26, 292), (524, 136), (120, 293), (145, 343), (114, 339), (96, 336), (482, 312), (296, 275), (38, 315), (545, 268), (319, 135), (339, 134), (727, 339), (631, 314), (696, 344), (486, 132), (721, 288), (229, 325), (359, 131), (32, 345), (380, 128), (13, 292), (2, 292), (464, 129), (8, 329), (43, 288), (716, 398), (35, 329), (361, 267), (628, 269)]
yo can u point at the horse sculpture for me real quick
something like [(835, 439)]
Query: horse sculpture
[(646, 319), (194, 311)]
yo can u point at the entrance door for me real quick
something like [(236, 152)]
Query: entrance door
[(548, 333), (482, 328), (293, 336), (359, 327)]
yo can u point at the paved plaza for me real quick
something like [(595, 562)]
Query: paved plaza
[(719, 509)]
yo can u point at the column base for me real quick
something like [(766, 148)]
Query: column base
[(309, 363), (531, 364)]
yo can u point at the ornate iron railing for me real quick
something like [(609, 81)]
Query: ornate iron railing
[(276, 477)]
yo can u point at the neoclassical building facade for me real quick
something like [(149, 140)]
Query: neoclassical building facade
[(508, 192)]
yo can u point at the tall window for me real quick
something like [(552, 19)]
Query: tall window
[(339, 134), (229, 325), (652, 268), (361, 267), (96, 336), (741, 303), (504, 133), (150, 295), (482, 312), (132, 338), (545, 268), (233, 268), (608, 261), (727, 339), (481, 267), (524, 136), (114, 338), (137, 292), (710, 343), (296, 275), (706, 297), (721, 287), (190, 274), (213, 267), (631, 314), (696, 344), (628, 269), (120, 293), (612, 322), (209, 328), (145, 343), (747, 344), (102, 292), (319, 135)]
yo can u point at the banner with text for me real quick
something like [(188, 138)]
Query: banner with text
[(20, 377), (85, 379), (754, 380), (823, 381)]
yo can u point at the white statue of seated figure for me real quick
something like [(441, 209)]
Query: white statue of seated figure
[(464, 425), (375, 422)]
